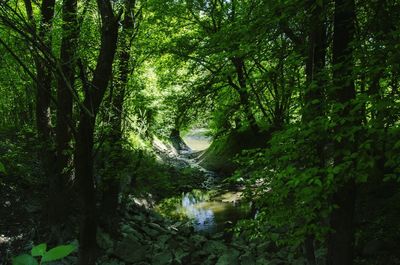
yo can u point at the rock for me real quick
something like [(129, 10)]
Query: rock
[(247, 259), (126, 229), (157, 217), (185, 245), (183, 228), (137, 235), (180, 256), (150, 232), (162, 239), (104, 241), (162, 258), (262, 261), (158, 227), (211, 260), (197, 256), (198, 240), (174, 243), (131, 250), (262, 248), (138, 218), (214, 247), (230, 257), (217, 236)]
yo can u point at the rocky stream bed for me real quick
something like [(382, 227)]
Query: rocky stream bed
[(148, 238)]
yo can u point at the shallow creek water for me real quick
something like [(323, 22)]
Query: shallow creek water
[(213, 214), (210, 210)]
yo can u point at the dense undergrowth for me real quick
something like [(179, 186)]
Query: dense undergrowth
[(146, 180), (301, 98)]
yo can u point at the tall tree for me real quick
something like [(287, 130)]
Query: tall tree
[(59, 204), (94, 93), (341, 240), (43, 78), (111, 183), (314, 96)]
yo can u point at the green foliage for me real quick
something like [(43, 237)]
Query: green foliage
[(2, 168), (18, 153), (170, 207), (291, 195), (24, 259), (223, 65), (162, 181), (39, 250), (56, 253)]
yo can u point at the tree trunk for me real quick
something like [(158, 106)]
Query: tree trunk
[(243, 93), (84, 140), (111, 183), (44, 78), (314, 95), (315, 64), (341, 240), (84, 173), (59, 207), (43, 94)]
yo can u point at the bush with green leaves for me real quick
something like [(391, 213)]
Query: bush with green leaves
[(2, 168), (45, 256), (285, 184)]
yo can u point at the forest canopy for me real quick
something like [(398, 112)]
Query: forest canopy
[(298, 102)]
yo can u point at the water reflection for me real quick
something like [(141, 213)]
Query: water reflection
[(211, 215), (203, 218)]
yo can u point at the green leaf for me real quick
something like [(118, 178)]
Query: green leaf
[(2, 168), (318, 182), (24, 259), (58, 253), (39, 250)]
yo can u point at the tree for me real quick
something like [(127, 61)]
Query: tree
[(59, 204), (111, 180), (94, 93), (341, 240)]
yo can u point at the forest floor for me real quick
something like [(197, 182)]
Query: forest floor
[(146, 237), (189, 222), (200, 238)]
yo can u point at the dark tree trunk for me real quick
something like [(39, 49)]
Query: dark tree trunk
[(84, 173), (43, 92), (111, 183), (341, 240), (84, 140), (59, 205), (44, 78), (243, 93), (43, 95), (177, 142), (314, 96)]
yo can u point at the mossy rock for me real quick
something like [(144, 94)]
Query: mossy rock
[(219, 156), (162, 258), (230, 257)]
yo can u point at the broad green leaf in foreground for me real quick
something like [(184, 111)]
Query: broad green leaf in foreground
[(2, 168), (24, 259), (39, 250), (58, 253)]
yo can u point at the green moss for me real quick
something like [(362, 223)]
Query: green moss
[(220, 155)]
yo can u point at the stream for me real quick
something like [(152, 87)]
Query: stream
[(210, 209)]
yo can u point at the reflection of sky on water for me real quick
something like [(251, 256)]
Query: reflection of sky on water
[(203, 219)]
